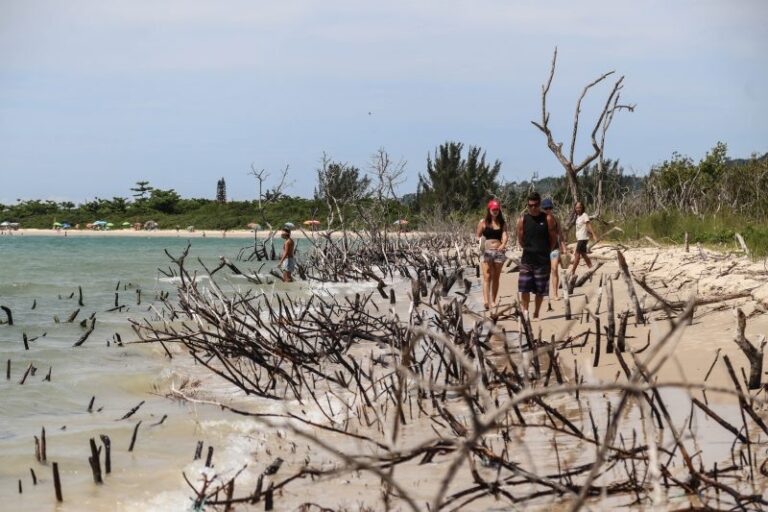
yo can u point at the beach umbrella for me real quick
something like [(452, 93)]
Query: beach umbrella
[(311, 222), (253, 225), (126, 224), (89, 225), (66, 225), (400, 222), (5, 223), (57, 224), (110, 225), (100, 223), (289, 225)]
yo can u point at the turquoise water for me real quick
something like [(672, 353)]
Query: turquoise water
[(46, 272)]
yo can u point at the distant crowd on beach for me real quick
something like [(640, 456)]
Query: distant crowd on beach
[(7, 228), (542, 237)]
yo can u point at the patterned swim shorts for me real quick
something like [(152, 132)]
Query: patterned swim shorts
[(494, 256), (534, 279)]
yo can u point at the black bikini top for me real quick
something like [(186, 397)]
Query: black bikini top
[(492, 234)]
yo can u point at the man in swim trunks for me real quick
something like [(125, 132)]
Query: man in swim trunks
[(537, 235), (287, 262)]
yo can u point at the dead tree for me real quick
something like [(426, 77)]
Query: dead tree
[(266, 197), (612, 105)]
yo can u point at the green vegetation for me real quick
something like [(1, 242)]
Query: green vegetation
[(716, 230), (454, 184), (711, 199)]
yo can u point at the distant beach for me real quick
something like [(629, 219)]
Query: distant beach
[(172, 233)]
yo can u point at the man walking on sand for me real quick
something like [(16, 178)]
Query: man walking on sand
[(537, 235), (287, 262)]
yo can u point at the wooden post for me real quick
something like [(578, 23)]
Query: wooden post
[(107, 453), (621, 339), (268, 498), (43, 448), (566, 295), (597, 342), (611, 330), (57, 482), (133, 437), (95, 461)]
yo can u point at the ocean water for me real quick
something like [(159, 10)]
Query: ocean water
[(39, 280)]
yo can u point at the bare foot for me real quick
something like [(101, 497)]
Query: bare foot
[(485, 305)]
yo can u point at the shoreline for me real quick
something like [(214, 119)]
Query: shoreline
[(172, 233), (239, 440)]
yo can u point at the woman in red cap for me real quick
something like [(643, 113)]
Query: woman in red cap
[(493, 229)]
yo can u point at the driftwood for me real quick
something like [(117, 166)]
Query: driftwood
[(435, 367), (742, 244), (754, 353), (8, 315), (639, 316), (87, 333)]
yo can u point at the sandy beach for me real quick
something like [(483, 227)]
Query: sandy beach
[(672, 272), (721, 282), (676, 276)]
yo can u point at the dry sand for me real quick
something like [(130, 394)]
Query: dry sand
[(675, 276)]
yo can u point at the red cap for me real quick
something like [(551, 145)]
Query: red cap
[(494, 205)]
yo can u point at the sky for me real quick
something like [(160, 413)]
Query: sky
[(97, 95)]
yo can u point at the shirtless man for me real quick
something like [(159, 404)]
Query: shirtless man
[(287, 262)]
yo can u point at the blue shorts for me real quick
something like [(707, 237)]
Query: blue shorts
[(534, 279), (554, 254), (289, 265)]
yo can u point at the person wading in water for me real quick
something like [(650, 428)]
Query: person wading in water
[(287, 262)]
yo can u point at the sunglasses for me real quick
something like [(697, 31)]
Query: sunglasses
[(533, 205)]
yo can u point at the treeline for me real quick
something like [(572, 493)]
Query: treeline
[(455, 185)]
